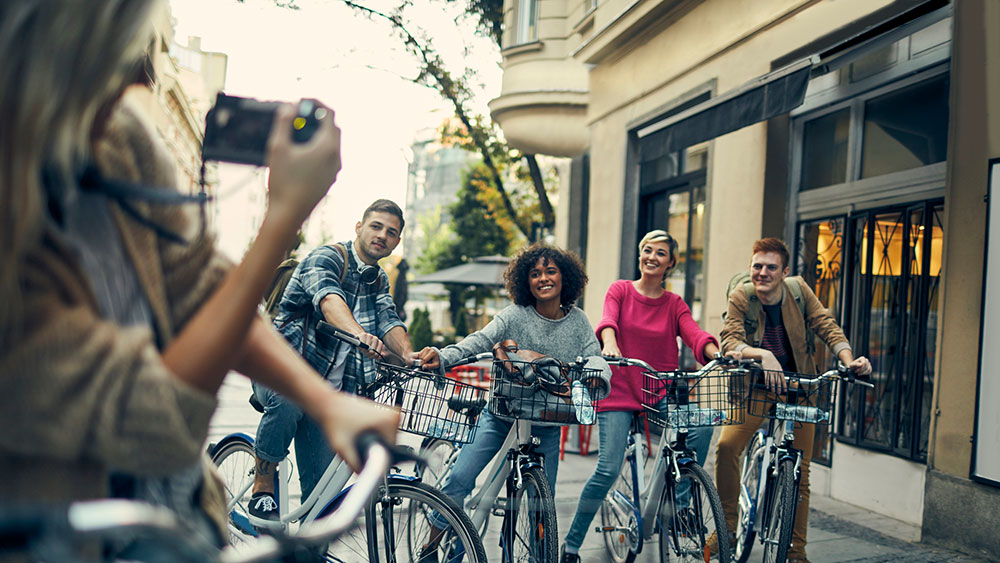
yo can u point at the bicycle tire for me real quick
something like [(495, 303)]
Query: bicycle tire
[(533, 535), (748, 501), (440, 456), (620, 528), (391, 514), (684, 530), (236, 463), (781, 514)]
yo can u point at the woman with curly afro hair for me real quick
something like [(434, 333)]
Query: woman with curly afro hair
[(544, 282)]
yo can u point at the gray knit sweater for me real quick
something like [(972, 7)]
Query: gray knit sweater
[(563, 339)]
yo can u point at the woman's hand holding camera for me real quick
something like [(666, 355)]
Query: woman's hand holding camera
[(301, 173)]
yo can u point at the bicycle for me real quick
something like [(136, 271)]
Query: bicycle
[(80, 531), (643, 501), (768, 505), (529, 529), (395, 526)]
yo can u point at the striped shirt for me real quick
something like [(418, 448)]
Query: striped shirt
[(775, 338)]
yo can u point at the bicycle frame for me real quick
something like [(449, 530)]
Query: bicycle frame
[(330, 487), (646, 496), (778, 445), (510, 456)]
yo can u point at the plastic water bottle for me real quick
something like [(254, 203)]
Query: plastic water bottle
[(581, 403), (448, 429), (691, 415), (800, 413)]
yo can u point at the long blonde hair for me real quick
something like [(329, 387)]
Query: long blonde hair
[(62, 61)]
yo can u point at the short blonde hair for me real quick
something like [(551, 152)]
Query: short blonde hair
[(659, 235)]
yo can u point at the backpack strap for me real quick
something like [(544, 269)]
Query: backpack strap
[(752, 319), (795, 289), (343, 254)]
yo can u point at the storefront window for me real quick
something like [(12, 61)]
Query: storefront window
[(906, 129), (824, 150), (819, 262), (895, 274)]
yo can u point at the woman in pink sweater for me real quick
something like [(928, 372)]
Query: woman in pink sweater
[(641, 320)]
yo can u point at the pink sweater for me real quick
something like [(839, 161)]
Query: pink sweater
[(646, 329)]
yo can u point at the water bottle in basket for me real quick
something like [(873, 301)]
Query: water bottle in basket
[(800, 413), (581, 403), (693, 415)]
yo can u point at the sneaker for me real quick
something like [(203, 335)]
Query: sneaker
[(263, 506), (568, 557), (428, 554)]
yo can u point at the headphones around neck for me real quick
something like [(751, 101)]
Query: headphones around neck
[(367, 274)]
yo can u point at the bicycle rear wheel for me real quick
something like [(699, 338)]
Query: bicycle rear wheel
[(781, 514), (619, 525), (685, 523), (396, 529), (748, 501), (236, 463), (531, 533)]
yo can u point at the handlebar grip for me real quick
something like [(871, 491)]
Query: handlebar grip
[(329, 329), (371, 439)]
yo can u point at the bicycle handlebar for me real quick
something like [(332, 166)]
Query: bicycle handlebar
[(718, 361), (106, 518), (470, 360)]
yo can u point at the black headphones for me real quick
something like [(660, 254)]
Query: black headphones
[(367, 274)]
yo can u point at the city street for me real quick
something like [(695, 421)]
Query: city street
[(838, 532)]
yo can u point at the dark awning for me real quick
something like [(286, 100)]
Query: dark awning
[(485, 270), (770, 95)]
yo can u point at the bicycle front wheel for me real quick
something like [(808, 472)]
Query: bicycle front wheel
[(748, 501), (396, 529), (236, 463), (781, 514), (689, 512), (619, 525), (531, 535)]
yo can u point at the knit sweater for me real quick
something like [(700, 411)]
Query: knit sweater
[(646, 329), (80, 394)]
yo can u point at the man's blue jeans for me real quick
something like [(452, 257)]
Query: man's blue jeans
[(282, 421), (473, 458), (613, 429)]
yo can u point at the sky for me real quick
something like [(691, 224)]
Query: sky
[(357, 66)]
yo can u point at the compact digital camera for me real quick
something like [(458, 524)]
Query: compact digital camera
[(237, 129)]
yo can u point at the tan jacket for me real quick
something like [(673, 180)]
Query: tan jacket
[(734, 335), (79, 394)]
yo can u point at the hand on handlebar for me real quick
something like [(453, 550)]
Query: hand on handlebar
[(347, 417), (429, 358), (774, 376), (611, 349), (860, 366), (376, 348)]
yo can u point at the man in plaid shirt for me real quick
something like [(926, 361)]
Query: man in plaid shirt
[(355, 300)]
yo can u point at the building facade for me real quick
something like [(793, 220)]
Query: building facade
[(861, 132)]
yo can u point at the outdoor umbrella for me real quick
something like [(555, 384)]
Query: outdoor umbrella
[(485, 271)]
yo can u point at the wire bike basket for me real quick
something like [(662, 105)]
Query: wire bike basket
[(431, 405), (681, 399), (546, 392), (803, 402)]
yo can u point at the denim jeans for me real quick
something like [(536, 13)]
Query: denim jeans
[(282, 421), (473, 458), (613, 428)]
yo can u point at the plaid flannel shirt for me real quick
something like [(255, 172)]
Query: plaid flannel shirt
[(318, 276)]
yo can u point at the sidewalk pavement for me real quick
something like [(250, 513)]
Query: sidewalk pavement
[(838, 532)]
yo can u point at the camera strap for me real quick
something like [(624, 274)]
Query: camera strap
[(125, 192)]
